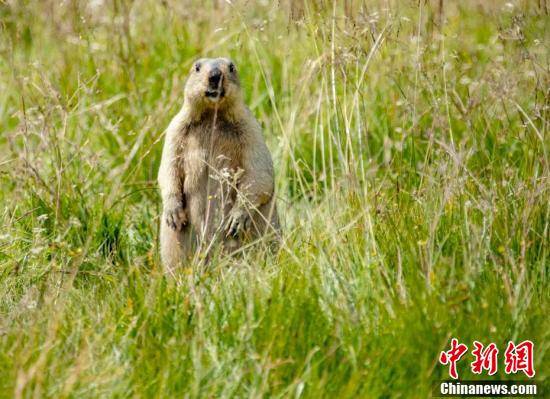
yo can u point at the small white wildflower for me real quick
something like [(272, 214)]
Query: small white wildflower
[(36, 250)]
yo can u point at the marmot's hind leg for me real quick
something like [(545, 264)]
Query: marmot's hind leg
[(175, 246)]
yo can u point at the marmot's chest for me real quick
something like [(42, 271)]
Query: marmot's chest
[(214, 156)]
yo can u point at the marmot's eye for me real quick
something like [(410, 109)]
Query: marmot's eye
[(231, 67), (197, 67)]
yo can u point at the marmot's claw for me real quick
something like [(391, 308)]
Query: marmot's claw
[(238, 222), (176, 218)]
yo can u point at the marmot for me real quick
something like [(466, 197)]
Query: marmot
[(216, 174)]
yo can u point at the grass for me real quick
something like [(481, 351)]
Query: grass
[(411, 151)]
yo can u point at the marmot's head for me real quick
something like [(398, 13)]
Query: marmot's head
[(213, 83)]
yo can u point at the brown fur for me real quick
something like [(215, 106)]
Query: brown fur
[(216, 173)]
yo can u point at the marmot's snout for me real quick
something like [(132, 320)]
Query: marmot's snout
[(215, 83), (214, 77)]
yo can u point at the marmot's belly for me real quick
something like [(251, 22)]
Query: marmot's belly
[(209, 203), (210, 187)]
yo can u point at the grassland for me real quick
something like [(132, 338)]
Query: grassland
[(411, 151)]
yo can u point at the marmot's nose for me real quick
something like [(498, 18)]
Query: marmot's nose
[(214, 77)]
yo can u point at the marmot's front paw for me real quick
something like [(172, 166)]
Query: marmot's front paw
[(176, 217), (239, 220)]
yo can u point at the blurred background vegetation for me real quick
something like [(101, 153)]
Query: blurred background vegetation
[(410, 141)]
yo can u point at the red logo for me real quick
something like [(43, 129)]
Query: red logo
[(485, 359), (452, 356), (519, 358), (516, 358)]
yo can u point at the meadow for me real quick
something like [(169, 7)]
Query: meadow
[(410, 142)]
